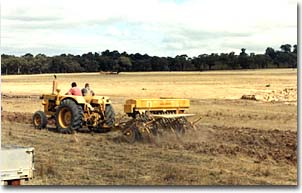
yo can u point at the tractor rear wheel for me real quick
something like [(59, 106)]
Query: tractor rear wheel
[(109, 116), (69, 116), (39, 120)]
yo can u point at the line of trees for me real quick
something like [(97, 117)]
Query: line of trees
[(107, 60)]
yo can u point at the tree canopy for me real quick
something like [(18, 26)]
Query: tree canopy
[(108, 60)]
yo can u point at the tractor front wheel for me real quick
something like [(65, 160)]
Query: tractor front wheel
[(39, 120), (69, 116)]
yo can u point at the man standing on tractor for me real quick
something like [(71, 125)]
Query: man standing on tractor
[(87, 91), (74, 90)]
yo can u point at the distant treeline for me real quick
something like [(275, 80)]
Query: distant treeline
[(107, 60)]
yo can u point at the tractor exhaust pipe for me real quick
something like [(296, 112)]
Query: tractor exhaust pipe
[(54, 85)]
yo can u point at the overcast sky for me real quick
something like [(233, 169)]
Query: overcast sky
[(155, 27)]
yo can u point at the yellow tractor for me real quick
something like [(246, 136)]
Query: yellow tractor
[(74, 112), (149, 117)]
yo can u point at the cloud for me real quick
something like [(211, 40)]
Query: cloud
[(156, 27)]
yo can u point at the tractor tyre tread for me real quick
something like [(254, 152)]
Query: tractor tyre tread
[(43, 118), (109, 115), (77, 116)]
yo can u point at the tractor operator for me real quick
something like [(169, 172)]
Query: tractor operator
[(87, 91), (74, 90)]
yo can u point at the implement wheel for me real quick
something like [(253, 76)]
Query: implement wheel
[(129, 135), (69, 116), (39, 120)]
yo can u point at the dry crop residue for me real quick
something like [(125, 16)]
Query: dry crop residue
[(285, 95)]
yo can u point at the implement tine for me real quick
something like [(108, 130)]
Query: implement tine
[(196, 121), (178, 126), (174, 124), (150, 122), (193, 123), (161, 124), (170, 125), (181, 124)]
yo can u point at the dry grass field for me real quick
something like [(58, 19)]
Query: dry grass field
[(237, 142)]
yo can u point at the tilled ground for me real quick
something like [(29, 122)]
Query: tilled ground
[(17, 117), (168, 160), (259, 145)]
